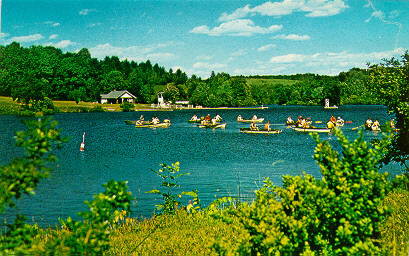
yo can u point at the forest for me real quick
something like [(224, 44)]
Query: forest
[(36, 73)]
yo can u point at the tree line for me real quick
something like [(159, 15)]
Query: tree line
[(34, 73)]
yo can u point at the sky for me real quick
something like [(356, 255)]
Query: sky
[(237, 37)]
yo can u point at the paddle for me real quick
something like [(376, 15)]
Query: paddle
[(357, 127)]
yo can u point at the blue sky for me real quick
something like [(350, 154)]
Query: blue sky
[(233, 36)]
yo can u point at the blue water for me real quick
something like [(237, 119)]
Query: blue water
[(221, 162)]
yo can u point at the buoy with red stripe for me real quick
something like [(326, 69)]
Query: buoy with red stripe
[(82, 143)]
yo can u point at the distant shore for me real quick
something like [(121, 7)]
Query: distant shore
[(67, 106)]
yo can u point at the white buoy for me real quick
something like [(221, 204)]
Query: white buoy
[(82, 143)]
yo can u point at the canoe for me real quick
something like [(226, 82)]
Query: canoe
[(130, 122), (133, 122), (195, 121), (258, 120), (373, 128), (159, 125), (212, 126), (301, 129), (260, 131)]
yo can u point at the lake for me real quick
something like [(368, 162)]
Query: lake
[(221, 162)]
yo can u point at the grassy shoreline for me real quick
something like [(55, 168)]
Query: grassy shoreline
[(10, 107)]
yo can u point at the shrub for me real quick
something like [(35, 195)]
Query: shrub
[(127, 107), (337, 215)]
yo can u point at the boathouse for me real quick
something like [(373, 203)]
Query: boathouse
[(117, 97)]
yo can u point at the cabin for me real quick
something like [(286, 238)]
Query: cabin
[(117, 97)]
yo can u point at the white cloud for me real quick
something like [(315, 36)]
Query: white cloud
[(240, 27), (84, 12), (2, 35), (376, 14), (56, 24), (340, 59), (136, 53), (54, 36), (266, 47), (63, 44), (322, 8), (240, 52), (208, 66), (292, 37), (159, 57), (25, 39), (314, 8), (204, 57), (237, 14)]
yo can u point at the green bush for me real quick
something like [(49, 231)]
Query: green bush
[(337, 215), (91, 236), (127, 107)]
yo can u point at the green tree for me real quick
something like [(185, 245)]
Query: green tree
[(389, 82), (22, 176)]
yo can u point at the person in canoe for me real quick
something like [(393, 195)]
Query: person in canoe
[(141, 118), (368, 122), (376, 124), (218, 118), (340, 122), (330, 124), (267, 126), (253, 126), (155, 120), (254, 117), (333, 119), (393, 123), (194, 118), (299, 121), (207, 118), (290, 121), (239, 117), (305, 123)]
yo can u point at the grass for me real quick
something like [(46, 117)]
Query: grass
[(260, 81), (180, 234), (70, 106)]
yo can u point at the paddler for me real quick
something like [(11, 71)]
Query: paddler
[(267, 126), (330, 124), (253, 126), (368, 122), (376, 124), (290, 120)]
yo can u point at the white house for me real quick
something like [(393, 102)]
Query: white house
[(117, 97)]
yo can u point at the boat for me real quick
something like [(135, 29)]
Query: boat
[(130, 122), (212, 126), (195, 121), (258, 120), (158, 125), (133, 122), (302, 129), (262, 131), (375, 128)]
